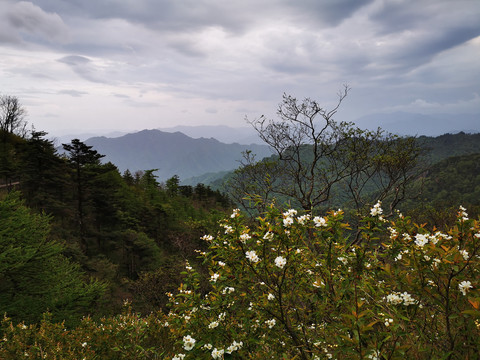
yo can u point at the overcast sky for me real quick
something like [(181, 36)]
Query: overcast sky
[(81, 65)]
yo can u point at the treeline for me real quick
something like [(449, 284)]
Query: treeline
[(127, 232)]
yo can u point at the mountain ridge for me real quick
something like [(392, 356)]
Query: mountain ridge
[(172, 153)]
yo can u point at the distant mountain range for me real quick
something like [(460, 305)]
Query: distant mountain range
[(202, 153), (225, 134), (172, 153)]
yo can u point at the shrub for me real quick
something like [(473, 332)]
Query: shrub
[(300, 286)]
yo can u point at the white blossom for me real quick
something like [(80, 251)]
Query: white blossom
[(288, 221), (234, 347), (268, 236), (235, 213), (464, 253), (228, 290), (303, 219), (217, 354), (280, 262), (270, 323), (244, 237), (421, 240), (213, 324), (399, 298), (320, 221), (252, 256), (290, 212), (464, 286), (188, 342), (228, 229), (376, 210)]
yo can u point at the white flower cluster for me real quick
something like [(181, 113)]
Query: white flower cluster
[(302, 220), (421, 240), (217, 354), (270, 323), (244, 237), (268, 236), (228, 290), (462, 214), (288, 217), (235, 213), (464, 286), (213, 324), (179, 357), (188, 342), (376, 210), (399, 298), (280, 262), (214, 277), (464, 253), (207, 237), (393, 232), (252, 256), (320, 221), (228, 229), (234, 347)]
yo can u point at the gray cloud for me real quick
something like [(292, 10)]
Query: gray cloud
[(169, 55), (24, 18), (84, 67), (73, 93)]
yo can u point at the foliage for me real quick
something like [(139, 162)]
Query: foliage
[(444, 146), (34, 275), (115, 227), (126, 336), (293, 286), (452, 181)]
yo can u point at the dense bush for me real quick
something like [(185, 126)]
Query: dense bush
[(296, 286), (126, 336)]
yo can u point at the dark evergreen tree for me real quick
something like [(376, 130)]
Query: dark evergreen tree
[(34, 275), (84, 162), (44, 179)]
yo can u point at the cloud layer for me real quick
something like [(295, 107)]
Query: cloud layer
[(152, 63)]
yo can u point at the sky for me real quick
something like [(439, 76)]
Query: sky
[(127, 65)]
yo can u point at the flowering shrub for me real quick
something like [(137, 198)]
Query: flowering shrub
[(297, 286), (126, 336)]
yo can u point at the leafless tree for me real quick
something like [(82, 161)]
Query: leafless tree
[(12, 116), (317, 157)]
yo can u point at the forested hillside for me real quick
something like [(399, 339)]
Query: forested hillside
[(115, 226), (78, 237)]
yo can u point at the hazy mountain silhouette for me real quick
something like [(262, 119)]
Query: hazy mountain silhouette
[(225, 134), (172, 153)]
